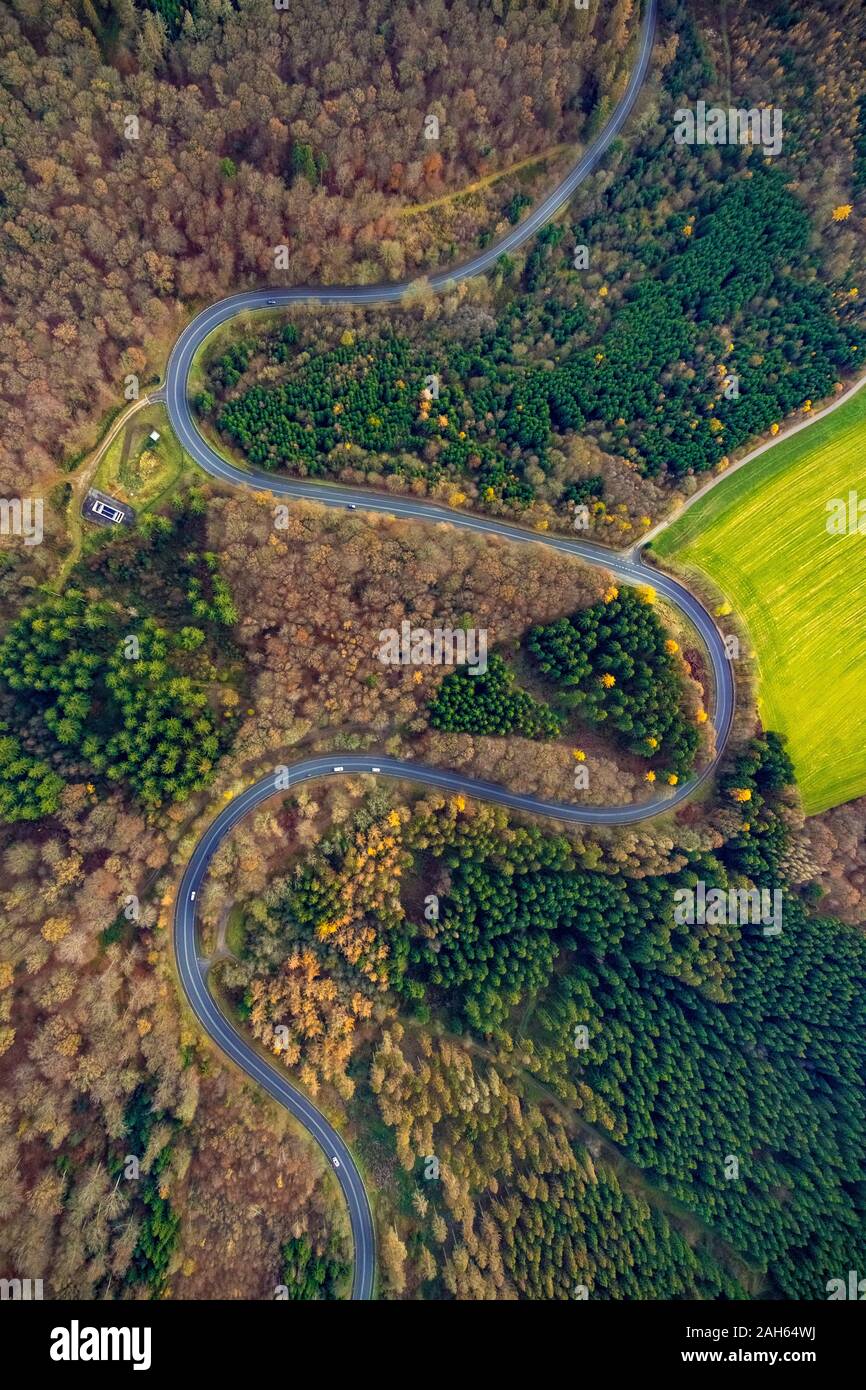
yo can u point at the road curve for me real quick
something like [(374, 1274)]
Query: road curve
[(625, 566)]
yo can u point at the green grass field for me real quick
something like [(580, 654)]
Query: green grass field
[(761, 537)]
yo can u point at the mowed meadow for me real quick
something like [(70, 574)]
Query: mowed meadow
[(761, 536)]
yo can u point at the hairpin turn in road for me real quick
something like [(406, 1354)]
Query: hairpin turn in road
[(627, 566)]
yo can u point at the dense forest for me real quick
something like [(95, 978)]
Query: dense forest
[(491, 703), (510, 1207), (727, 1064), (161, 667), (667, 366), (120, 700), (98, 1068), (96, 1062), (155, 155), (710, 302), (614, 662), (618, 664), (121, 690), (133, 233), (313, 598)]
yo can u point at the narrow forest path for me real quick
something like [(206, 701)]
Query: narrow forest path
[(484, 182)]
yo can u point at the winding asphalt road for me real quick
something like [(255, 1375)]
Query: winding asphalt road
[(627, 566)]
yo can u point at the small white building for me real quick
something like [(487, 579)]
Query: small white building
[(154, 436)]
